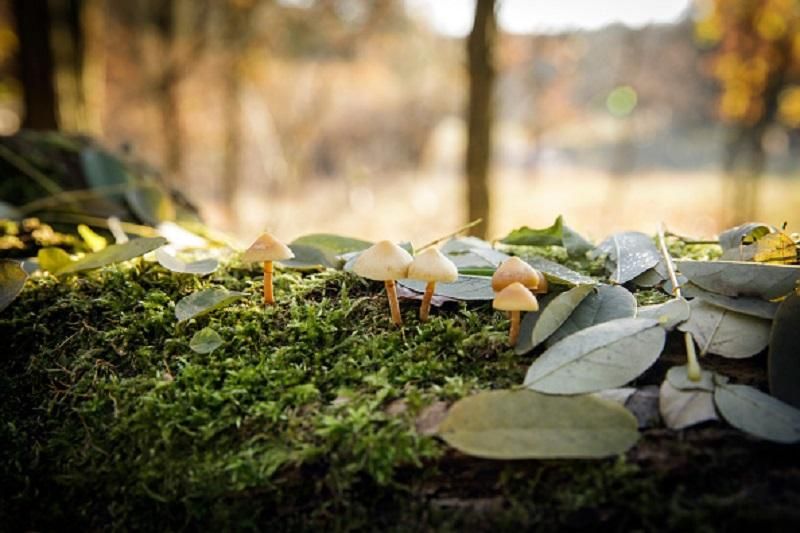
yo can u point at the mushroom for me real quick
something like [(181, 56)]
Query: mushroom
[(513, 270), (543, 286), (385, 261), (431, 266), (267, 249), (515, 298)]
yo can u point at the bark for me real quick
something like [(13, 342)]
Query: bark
[(480, 51), (36, 65)]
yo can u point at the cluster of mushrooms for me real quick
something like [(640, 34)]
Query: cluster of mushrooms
[(515, 282)]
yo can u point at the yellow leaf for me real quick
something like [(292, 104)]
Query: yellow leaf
[(776, 248), (94, 241)]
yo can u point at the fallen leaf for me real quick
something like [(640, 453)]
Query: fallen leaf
[(170, 261), (683, 408), (12, 280), (757, 413), (776, 248), (556, 235), (746, 305), (430, 418), (679, 379), (643, 403), (557, 312), (669, 314), (736, 278), (559, 274), (604, 303), (204, 301), (523, 424), (114, 253), (600, 357), (467, 288), (53, 259), (724, 332), (629, 254), (94, 241), (205, 341)]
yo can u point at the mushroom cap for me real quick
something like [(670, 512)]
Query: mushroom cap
[(544, 285), (514, 269), (382, 261), (515, 297), (432, 265), (267, 248)]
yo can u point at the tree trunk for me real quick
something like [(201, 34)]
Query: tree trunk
[(36, 66), (480, 49)]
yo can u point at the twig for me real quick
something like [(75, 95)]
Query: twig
[(26, 168), (98, 222), (692, 365), (69, 197), (453, 234)]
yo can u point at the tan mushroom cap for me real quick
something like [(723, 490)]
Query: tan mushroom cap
[(513, 270), (382, 261), (267, 248), (515, 297), (432, 265)]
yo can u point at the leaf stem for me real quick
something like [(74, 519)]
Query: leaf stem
[(449, 235)]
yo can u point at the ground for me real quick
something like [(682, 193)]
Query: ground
[(309, 416)]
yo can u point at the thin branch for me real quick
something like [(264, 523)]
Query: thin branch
[(462, 229), (26, 168)]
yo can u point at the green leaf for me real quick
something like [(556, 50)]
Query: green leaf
[(559, 274), (205, 301), (629, 254), (784, 352), (683, 408), (53, 259), (151, 203), (757, 413), (746, 305), (525, 425), (557, 312), (205, 341), (556, 235), (103, 170), (172, 263), (529, 320), (679, 379), (471, 253), (94, 241), (12, 280), (467, 288), (669, 314), (323, 250), (604, 303), (736, 278), (727, 333), (601, 357), (114, 254)]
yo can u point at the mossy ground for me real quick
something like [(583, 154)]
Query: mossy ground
[(111, 421)]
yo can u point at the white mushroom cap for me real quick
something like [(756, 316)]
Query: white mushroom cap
[(267, 248), (382, 261), (514, 269), (432, 265), (515, 297)]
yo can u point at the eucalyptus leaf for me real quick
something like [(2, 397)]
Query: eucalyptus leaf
[(649, 278), (735, 278), (746, 305), (732, 238), (53, 259), (643, 403), (604, 303), (630, 254), (323, 250), (522, 424), (114, 253), (679, 379), (757, 413), (556, 235), (151, 203), (467, 288), (172, 263), (204, 301), (9, 212), (559, 274), (600, 357), (12, 280), (683, 408), (726, 333), (669, 314), (528, 322), (557, 312), (94, 241), (205, 341), (783, 361)]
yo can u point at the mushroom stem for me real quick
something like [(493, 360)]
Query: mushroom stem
[(393, 304), (513, 333), (425, 308), (269, 298)]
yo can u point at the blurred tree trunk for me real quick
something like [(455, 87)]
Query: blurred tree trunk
[(480, 52), (235, 35), (36, 65), (167, 98)]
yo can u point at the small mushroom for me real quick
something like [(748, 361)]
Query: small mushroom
[(543, 287), (515, 298), (513, 270), (431, 266), (267, 249), (385, 261)]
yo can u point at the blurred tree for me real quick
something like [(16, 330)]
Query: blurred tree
[(37, 67), (480, 53), (755, 58)]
